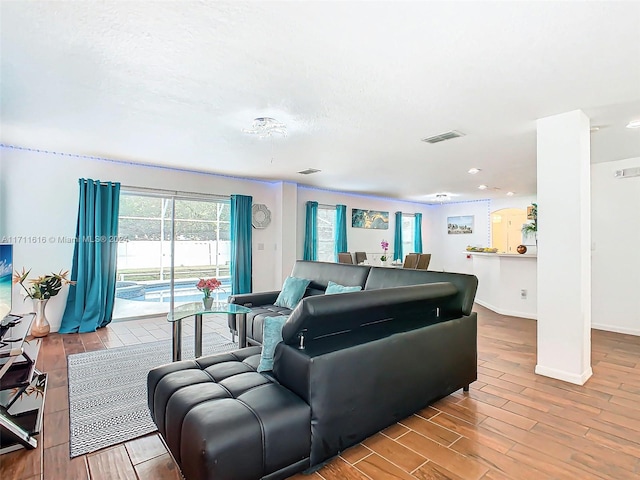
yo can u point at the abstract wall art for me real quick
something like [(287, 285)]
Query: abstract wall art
[(369, 219)]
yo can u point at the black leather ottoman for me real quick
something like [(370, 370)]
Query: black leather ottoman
[(223, 420)]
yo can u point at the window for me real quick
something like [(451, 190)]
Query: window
[(171, 239), (408, 228), (326, 234)]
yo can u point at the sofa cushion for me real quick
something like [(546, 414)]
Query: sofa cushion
[(333, 288), (292, 292), (255, 319), (271, 336), (321, 273)]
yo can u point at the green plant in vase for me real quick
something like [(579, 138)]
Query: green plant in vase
[(531, 228)]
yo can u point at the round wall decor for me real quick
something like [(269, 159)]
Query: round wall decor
[(260, 215)]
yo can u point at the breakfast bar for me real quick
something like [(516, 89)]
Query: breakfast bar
[(507, 283)]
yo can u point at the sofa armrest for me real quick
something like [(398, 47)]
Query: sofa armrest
[(255, 299)]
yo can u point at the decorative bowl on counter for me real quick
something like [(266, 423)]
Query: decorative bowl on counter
[(481, 249)]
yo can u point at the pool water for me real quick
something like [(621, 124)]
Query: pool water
[(184, 291)]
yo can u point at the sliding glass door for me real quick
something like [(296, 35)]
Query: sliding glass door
[(172, 241)]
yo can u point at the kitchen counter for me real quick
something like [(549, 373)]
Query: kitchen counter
[(507, 283)]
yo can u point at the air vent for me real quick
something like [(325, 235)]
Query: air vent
[(627, 173), (443, 136), (309, 171)]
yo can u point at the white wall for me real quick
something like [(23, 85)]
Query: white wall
[(501, 279), (615, 256), (516, 201), (450, 250), (363, 239), (39, 200)]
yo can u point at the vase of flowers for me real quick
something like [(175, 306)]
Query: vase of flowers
[(385, 248), (40, 291), (207, 286)]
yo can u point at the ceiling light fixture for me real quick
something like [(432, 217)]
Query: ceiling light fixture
[(510, 194), (474, 170), (266, 127), (442, 197), (483, 187), (634, 124)]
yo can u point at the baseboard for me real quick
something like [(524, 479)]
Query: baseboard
[(563, 375), (501, 311), (616, 329)]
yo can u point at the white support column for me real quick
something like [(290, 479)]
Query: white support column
[(286, 208), (564, 247)]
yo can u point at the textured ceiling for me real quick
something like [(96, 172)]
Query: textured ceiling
[(357, 83)]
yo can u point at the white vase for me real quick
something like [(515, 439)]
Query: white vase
[(207, 301), (40, 326)]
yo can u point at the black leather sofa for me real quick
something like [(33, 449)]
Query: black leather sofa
[(320, 273), (367, 360)]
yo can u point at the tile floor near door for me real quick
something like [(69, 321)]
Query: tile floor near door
[(513, 424)]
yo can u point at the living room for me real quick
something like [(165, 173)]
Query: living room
[(44, 155)]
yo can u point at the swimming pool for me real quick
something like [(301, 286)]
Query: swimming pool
[(160, 291)]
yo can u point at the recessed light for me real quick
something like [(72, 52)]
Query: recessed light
[(510, 194), (634, 124), (483, 187), (473, 171)]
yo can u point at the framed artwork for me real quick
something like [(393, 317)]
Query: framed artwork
[(460, 225), (369, 219), (530, 215)]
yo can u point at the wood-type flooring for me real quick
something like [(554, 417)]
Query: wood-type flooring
[(512, 424)]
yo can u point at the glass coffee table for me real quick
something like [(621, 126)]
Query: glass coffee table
[(197, 309)]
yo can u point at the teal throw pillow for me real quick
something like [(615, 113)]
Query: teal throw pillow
[(271, 336), (292, 292), (333, 288)]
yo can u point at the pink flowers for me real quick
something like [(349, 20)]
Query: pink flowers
[(206, 286), (385, 246)]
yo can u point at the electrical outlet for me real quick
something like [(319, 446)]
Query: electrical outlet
[(523, 294), (261, 246)]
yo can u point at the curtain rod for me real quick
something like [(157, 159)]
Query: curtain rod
[(160, 191)]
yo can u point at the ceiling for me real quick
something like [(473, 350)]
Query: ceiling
[(358, 85)]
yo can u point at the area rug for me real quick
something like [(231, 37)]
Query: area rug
[(108, 390)]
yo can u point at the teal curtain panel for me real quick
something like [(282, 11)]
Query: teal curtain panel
[(417, 233), (241, 244), (311, 232), (341, 230), (397, 238), (90, 301)]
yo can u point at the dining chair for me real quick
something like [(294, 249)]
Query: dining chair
[(423, 261), (345, 257), (410, 261), (360, 257)]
